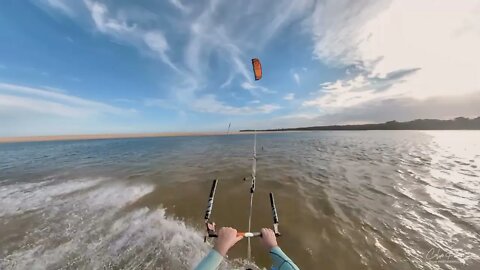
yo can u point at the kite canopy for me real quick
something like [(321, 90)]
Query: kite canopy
[(257, 68)]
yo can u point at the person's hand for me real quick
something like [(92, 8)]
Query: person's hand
[(268, 239), (227, 238)]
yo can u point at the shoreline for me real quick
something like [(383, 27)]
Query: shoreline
[(83, 137)]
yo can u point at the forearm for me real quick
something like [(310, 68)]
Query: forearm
[(281, 261), (211, 261)]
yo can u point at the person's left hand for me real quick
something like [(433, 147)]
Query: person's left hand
[(227, 238)]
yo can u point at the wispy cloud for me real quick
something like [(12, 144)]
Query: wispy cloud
[(150, 41), (280, 14), (228, 82), (54, 89), (69, 39), (348, 93), (124, 100), (255, 90), (62, 6), (178, 4), (74, 79), (160, 103), (40, 100), (296, 77), (210, 104), (207, 35), (289, 96)]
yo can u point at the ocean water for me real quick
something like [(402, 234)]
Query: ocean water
[(346, 200)]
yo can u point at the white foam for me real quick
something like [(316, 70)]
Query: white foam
[(85, 225), (19, 198)]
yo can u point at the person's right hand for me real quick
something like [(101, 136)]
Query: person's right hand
[(268, 239)]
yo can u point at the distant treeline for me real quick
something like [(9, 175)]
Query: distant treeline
[(419, 124)]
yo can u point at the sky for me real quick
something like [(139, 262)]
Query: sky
[(91, 66)]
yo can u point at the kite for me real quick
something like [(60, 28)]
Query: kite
[(257, 68)]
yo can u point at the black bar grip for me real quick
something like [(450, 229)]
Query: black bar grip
[(274, 209), (252, 187), (215, 235), (208, 212)]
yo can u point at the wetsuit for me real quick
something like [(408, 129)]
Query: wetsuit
[(280, 260)]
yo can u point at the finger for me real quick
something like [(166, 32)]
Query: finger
[(211, 226), (238, 238)]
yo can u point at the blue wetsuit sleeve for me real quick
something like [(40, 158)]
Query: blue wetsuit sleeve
[(281, 261), (211, 261)]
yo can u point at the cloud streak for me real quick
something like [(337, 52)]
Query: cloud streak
[(152, 42), (289, 96), (180, 6), (255, 90), (296, 77), (348, 93), (38, 100), (209, 104), (62, 6)]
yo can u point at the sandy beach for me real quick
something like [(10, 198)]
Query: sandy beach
[(111, 136)]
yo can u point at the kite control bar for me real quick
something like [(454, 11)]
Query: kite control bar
[(211, 232)]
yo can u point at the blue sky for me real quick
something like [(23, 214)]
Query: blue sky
[(72, 67)]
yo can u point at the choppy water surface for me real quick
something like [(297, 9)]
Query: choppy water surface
[(346, 200)]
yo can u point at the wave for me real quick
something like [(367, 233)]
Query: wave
[(86, 224)]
